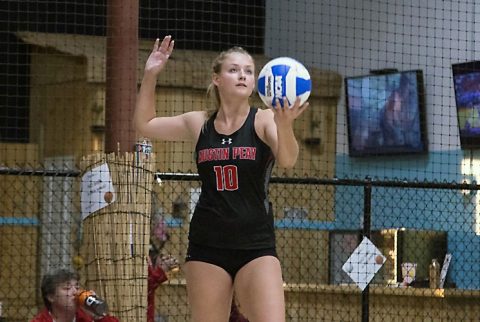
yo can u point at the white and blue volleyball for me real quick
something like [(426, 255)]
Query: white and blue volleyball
[(284, 77)]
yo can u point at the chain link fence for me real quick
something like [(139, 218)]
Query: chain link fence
[(359, 220)]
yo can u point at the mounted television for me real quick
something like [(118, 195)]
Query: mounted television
[(466, 79), (386, 113)]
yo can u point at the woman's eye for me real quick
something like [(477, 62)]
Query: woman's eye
[(233, 70)]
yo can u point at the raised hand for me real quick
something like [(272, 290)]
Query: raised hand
[(288, 113), (159, 55)]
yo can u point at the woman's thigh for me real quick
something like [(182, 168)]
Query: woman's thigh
[(259, 290), (209, 290)]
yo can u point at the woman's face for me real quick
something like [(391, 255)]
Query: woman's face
[(237, 76), (65, 297)]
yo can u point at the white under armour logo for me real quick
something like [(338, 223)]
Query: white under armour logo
[(227, 141)]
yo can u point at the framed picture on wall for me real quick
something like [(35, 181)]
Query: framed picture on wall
[(386, 114), (466, 80)]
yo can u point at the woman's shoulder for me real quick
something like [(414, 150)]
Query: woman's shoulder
[(42, 316), (196, 118), (264, 125), (196, 115), (264, 115), (195, 121)]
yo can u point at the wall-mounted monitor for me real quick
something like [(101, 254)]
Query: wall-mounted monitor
[(466, 79), (386, 113)]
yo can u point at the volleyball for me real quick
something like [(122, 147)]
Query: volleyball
[(284, 77)]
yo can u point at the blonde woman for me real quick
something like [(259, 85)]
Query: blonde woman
[(231, 238)]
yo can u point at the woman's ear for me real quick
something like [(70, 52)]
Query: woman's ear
[(215, 79), (51, 298)]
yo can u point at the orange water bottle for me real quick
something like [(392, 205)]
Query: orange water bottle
[(92, 303)]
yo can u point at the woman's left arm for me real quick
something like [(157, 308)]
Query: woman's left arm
[(279, 132)]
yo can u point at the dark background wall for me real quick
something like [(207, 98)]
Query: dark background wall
[(194, 24)]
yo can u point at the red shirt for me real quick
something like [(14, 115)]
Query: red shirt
[(156, 276), (80, 316)]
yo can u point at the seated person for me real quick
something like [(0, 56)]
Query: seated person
[(157, 274), (59, 292), (159, 265)]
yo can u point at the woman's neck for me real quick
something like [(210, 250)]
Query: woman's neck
[(62, 316), (228, 121), (228, 112)]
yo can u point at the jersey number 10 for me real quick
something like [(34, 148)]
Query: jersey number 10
[(227, 177)]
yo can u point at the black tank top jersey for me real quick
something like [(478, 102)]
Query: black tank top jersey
[(233, 210)]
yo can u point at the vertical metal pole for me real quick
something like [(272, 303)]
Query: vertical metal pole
[(121, 74), (367, 211)]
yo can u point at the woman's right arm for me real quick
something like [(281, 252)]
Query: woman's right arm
[(183, 127)]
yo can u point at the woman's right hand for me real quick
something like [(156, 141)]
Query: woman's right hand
[(159, 55)]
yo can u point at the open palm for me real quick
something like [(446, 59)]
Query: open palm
[(159, 55)]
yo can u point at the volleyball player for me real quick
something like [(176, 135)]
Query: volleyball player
[(231, 238)]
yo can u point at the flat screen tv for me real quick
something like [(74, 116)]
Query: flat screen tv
[(386, 113), (466, 80)]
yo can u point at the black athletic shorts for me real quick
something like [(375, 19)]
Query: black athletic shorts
[(231, 260)]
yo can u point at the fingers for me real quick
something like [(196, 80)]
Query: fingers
[(166, 47), (276, 103), (170, 47), (285, 103), (280, 103), (304, 106), (297, 105), (155, 45)]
